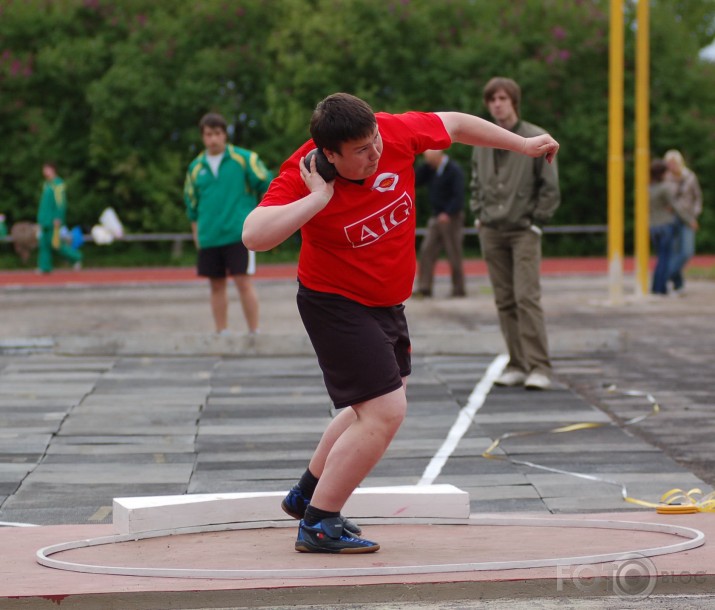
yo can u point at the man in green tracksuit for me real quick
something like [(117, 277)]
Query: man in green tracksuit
[(223, 184), (51, 216), (512, 198)]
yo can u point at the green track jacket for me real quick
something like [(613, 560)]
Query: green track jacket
[(53, 203), (219, 204)]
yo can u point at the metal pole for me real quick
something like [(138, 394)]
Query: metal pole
[(642, 237), (615, 154)]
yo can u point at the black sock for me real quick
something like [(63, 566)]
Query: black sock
[(307, 484), (315, 515)]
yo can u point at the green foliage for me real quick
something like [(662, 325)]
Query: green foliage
[(683, 96), (113, 89)]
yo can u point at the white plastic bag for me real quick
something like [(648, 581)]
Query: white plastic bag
[(110, 221), (101, 236)]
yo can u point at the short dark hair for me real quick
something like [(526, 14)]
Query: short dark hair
[(510, 87), (213, 120), (48, 163), (658, 167), (339, 118)]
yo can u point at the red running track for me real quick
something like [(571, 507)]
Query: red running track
[(169, 275)]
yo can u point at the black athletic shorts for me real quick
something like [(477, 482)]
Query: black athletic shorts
[(232, 259), (364, 352)]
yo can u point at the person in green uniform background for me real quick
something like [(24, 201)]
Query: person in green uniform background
[(223, 185), (51, 216)]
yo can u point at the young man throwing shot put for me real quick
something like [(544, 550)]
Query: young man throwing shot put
[(357, 265)]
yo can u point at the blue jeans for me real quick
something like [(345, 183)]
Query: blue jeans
[(683, 249), (662, 238)]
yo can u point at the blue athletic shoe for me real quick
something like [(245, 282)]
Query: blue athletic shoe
[(330, 536), (295, 504)]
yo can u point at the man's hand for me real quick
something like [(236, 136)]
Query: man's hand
[(443, 218), (540, 146), (267, 226), (314, 181), (195, 234)]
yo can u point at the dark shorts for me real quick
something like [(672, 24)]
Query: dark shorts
[(232, 259), (364, 352)]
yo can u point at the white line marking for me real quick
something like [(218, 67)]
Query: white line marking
[(694, 538), (464, 420)]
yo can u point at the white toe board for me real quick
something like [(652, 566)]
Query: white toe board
[(142, 514)]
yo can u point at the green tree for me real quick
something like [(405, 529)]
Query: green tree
[(178, 61), (683, 96), (113, 89)]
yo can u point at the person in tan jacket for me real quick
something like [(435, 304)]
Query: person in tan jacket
[(688, 200), (512, 198)]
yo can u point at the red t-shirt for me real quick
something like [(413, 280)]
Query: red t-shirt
[(362, 244)]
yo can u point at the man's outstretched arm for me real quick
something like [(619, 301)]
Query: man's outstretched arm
[(472, 130)]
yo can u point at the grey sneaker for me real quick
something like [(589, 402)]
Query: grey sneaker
[(537, 381), (511, 378)]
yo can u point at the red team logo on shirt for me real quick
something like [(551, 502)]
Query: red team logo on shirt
[(386, 181), (368, 230)]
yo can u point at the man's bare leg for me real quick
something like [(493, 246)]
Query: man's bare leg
[(219, 302), (341, 422), (249, 300), (358, 448)]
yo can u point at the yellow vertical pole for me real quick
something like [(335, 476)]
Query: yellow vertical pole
[(615, 154), (642, 238)]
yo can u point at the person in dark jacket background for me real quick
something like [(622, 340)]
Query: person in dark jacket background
[(445, 229)]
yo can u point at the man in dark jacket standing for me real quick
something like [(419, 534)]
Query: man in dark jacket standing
[(445, 228), (513, 197)]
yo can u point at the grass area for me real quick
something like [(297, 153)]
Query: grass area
[(182, 254), (700, 273), (141, 254), (168, 254)]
